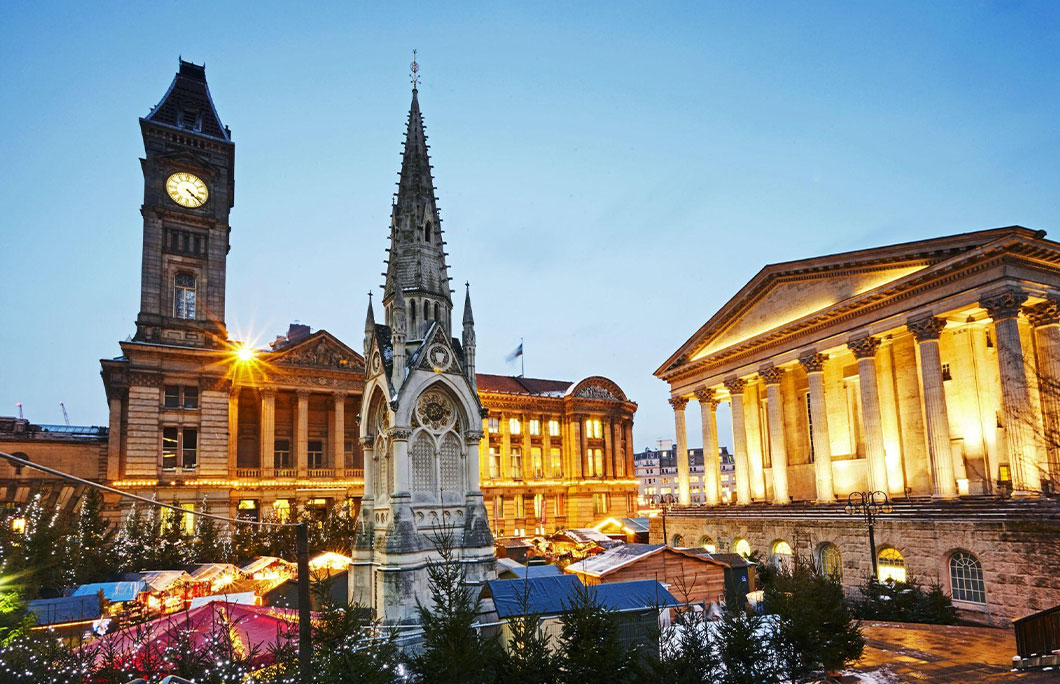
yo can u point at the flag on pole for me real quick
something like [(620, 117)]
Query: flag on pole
[(517, 353)]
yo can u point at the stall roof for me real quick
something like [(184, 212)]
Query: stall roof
[(160, 580), (262, 562), (117, 592), (520, 571), (551, 595), (586, 535), (208, 571), (66, 609), (243, 598), (624, 554)]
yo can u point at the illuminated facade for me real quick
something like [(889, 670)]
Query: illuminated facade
[(915, 369), (192, 416), (556, 455), (657, 477)]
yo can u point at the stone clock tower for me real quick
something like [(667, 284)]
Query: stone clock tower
[(421, 419), (188, 194)]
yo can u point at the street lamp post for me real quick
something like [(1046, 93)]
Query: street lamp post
[(869, 505), (666, 501)]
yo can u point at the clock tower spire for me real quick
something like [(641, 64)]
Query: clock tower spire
[(189, 189)]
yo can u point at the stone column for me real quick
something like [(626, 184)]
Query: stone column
[(506, 448), (864, 349), (1045, 318), (777, 448), (684, 496), (892, 440), (472, 438), (711, 459), (585, 447), (926, 332), (114, 435), (368, 449), (756, 472), (400, 460), (630, 468), (1018, 416), (338, 431), (739, 439), (609, 447), (619, 447), (302, 432), (822, 444), (267, 424), (233, 430)]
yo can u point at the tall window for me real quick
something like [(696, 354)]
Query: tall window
[(555, 462), (594, 429), (535, 428), (553, 428), (520, 513), (498, 512), (514, 426), (539, 506), (600, 503), (184, 296), (494, 464), (184, 521), (830, 561), (782, 555), (281, 456), (494, 425), (535, 462), (966, 578), (517, 464), (189, 448), (281, 510), (247, 509), (170, 441), (891, 565), (596, 462), (316, 454), (180, 442), (559, 505)]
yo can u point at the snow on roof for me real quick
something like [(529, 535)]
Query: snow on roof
[(160, 580), (243, 598), (586, 535), (118, 592), (612, 559), (208, 571), (262, 562)]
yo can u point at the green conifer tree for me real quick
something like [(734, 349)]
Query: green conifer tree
[(592, 652), (90, 553)]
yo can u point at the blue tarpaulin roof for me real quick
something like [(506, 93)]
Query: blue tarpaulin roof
[(534, 571), (552, 594), (112, 591), (65, 609)]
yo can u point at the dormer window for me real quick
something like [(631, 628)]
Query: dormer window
[(190, 120)]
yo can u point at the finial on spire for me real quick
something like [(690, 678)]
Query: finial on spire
[(414, 70)]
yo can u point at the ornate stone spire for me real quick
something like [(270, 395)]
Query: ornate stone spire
[(469, 318), (417, 252), (369, 324), (468, 338)]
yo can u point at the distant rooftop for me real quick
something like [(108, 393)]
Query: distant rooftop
[(12, 428), (513, 384)]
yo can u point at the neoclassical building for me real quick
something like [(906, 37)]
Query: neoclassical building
[(921, 370), (556, 454)]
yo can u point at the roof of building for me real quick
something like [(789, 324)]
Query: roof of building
[(262, 562), (624, 554), (512, 384), (66, 609), (12, 428), (189, 93), (208, 571), (519, 571), (552, 594), (117, 592), (585, 535), (160, 580)]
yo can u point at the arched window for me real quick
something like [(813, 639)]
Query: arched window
[(184, 296), (891, 565), (426, 310), (708, 544), (437, 312), (412, 318), (427, 232), (966, 578), (782, 555), (678, 541), (830, 561), (742, 547)]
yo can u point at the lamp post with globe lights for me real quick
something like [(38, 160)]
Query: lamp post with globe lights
[(869, 505)]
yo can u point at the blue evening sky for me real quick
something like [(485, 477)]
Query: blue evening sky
[(609, 174)]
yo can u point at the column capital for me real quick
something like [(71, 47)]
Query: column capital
[(399, 434), (340, 395), (472, 437), (302, 394), (367, 441), (678, 403), (864, 347), (925, 329), (267, 392), (706, 398), (735, 385), (1003, 303), (1045, 313), (771, 375), (813, 362)]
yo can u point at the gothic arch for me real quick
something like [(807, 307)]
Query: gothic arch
[(468, 410)]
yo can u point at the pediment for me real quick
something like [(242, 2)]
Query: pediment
[(782, 294), (436, 353), (319, 350)]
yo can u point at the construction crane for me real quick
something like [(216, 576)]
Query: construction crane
[(66, 417)]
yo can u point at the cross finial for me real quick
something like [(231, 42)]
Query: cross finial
[(467, 284), (414, 68), (369, 295)]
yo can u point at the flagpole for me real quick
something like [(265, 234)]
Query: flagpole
[(522, 359)]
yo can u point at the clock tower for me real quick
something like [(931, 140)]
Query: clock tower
[(188, 167)]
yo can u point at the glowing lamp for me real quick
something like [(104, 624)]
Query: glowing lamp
[(18, 525), (244, 354)]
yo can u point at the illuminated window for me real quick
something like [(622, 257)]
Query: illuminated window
[(535, 462), (247, 509), (539, 506), (520, 513), (281, 510), (494, 464), (316, 454), (516, 464), (708, 544), (966, 578), (559, 505), (170, 440), (556, 462), (187, 520), (553, 428), (184, 296), (514, 426), (281, 454), (494, 425), (694, 478), (535, 428), (742, 547), (600, 503), (830, 561), (782, 555), (678, 541), (498, 511), (594, 429), (891, 565), (596, 463)]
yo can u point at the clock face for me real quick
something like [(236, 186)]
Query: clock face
[(187, 190)]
